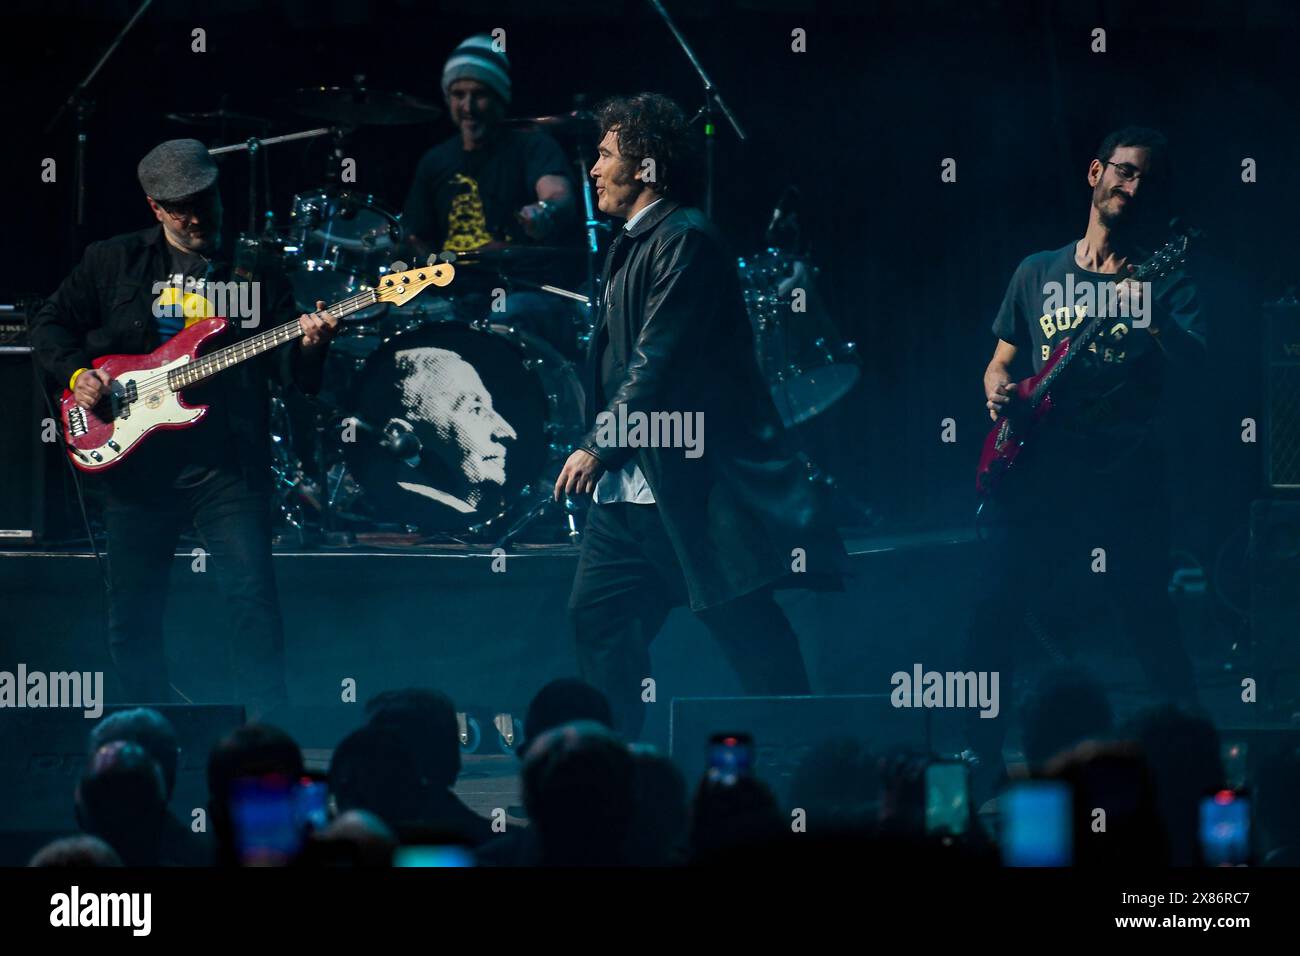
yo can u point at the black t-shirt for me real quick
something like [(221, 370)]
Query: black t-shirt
[(200, 452), (1112, 391), (187, 272), (460, 200)]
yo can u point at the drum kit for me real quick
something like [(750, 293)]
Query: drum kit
[(449, 418)]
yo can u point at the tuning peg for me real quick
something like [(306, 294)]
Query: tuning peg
[(432, 260), (447, 256), (398, 266)]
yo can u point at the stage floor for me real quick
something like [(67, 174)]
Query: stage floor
[(443, 617)]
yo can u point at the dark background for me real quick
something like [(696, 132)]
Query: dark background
[(914, 268)]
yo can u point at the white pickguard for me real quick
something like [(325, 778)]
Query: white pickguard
[(154, 406)]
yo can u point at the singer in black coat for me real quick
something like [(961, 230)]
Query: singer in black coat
[(675, 336)]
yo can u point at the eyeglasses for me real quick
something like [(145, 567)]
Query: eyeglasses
[(188, 208), (1127, 172)]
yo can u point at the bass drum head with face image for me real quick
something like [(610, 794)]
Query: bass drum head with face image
[(464, 425)]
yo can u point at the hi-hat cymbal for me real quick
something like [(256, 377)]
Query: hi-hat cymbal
[(349, 106), (221, 117)]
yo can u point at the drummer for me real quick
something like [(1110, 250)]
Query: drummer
[(489, 184)]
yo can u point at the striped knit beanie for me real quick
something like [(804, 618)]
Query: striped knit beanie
[(475, 59)]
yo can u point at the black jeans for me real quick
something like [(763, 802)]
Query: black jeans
[(233, 522), (1041, 545), (627, 581)]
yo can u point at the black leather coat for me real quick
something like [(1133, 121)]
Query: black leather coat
[(679, 340)]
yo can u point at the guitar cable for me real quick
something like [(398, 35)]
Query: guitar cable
[(41, 386)]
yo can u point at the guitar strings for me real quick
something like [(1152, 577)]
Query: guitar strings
[(252, 346)]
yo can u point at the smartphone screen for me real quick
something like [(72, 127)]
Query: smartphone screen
[(1225, 829), (267, 825), (433, 856), (947, 797), (1236, 754), (731, 756), (1036, 824), (312, 804)]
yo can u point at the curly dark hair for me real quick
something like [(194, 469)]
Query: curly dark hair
[(650, 125)]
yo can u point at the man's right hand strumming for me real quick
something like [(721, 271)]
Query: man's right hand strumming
[(91, 386)]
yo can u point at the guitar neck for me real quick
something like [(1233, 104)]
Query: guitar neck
[(1082, 342), (242, 351)]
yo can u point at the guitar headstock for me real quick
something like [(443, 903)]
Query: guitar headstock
[(401, 287), (1169, 256)]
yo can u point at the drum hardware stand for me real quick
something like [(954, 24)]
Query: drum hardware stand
[(334, 160), (545, 505), (253, 146), (713, 104), (819, 476), (593, 226)]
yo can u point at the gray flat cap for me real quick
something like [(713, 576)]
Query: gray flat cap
[(176, 169)]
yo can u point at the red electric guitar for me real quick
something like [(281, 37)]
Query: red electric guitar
[(1031, 406), (145, 391)]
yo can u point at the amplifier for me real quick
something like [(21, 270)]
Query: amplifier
[(22, 466), (1275, 603), (1282, 396)]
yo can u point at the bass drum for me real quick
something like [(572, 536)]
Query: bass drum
[(459, 425)]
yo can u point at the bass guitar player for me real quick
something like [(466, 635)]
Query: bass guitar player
[(1084, 507), (214, 477)]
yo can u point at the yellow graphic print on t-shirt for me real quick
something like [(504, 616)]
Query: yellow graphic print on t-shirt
[(1067, 319), (466, 224), (176, 301)]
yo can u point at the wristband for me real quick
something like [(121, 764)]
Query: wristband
[(72, 382)]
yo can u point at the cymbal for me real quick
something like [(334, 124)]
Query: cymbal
[(518, 255), (578, 121), (221, 117), (350, 106)]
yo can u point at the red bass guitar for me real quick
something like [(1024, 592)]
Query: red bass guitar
[(1030, 408), (145, 394)]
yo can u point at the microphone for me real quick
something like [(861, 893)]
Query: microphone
[(571, 508), (401, 440), (782, 212), (398, 437)]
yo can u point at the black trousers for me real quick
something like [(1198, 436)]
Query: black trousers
[(1046, 543), (627, 581), (233, 522)]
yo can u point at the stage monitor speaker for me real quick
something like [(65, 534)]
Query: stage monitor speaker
[(1282, 396), (43, 751), (1275, 604), (785, 729)]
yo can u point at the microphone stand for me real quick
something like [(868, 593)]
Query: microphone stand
[(83, 106), (713, 104)]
